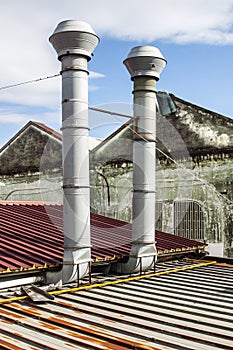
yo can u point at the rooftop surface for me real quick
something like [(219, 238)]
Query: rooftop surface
[(32, 237), (185, 305)]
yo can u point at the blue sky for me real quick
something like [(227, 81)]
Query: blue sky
[(195, 36)]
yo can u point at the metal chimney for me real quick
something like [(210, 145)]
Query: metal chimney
[(74, 42), (144, 63)]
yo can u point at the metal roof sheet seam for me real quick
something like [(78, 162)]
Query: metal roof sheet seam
[(31, 237), (117, 280), (190, 309)]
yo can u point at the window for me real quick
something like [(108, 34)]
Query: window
[(158, 216), (189, 220)]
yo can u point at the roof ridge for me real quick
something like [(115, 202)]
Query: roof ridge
[(2, 202), (47, 128), (39, 125)]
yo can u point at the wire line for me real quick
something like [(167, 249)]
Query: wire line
[(29, 81), (127, 125)]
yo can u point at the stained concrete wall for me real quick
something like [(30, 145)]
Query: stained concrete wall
[(200, 144), (209, 184)]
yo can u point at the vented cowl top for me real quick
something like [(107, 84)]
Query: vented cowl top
[(145, 60), (74, 37)]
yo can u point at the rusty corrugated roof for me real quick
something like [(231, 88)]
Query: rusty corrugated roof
[(47, 129), (31, 237), (186, 307)]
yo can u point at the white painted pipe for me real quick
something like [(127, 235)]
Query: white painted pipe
[(76, 200), (144, 64), (74, 42), (11, 283)]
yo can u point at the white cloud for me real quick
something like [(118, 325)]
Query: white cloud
[(21, 115), (44, 94), (171, 20), (26, 25), (12, 118), (96, 75)]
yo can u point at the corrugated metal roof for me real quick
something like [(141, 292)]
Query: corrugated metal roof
[(47, 129), (31, 237), (181, 309)]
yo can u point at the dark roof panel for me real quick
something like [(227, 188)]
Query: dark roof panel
[(31, 236)]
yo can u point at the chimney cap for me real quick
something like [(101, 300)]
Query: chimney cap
[(74, 37), (145, 61)]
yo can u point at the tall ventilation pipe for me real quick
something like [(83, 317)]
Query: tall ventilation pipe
[(74, 42), (144, 63)]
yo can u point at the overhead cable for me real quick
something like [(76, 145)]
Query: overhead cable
[(29, 81), (128, 126)]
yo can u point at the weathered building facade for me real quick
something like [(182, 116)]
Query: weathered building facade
[(31, 164), (194, 185)]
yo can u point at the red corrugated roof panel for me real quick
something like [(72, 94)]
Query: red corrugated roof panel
[(31, 236), (48, 129)]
